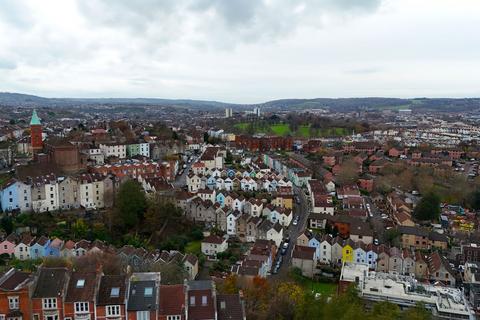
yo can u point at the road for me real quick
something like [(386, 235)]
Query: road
[(378, 224), (181, 180), (302, 210)]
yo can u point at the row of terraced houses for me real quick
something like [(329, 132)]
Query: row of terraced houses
[(61, 293)]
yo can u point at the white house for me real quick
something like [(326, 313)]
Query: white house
[(275, 233), (207, 194), (114, 150), (254, 207), (22, 249), (213, 244), (286, 216), (91, 188), (325, 249), (44, 193), (194, 182), (232, 218)]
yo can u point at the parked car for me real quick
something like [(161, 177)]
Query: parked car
[(295, 221)]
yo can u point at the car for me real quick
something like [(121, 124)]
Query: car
[(375, 242), (275, 270), (384, 216), (295, 221), (285, 245)]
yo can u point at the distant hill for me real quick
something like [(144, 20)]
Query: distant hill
[(340, 104)]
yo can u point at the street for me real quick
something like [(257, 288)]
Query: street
[(301, 210), (181, 180)]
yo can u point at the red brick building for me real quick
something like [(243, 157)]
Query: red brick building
[(14, 295), (80, 298), (112, 297), (265, 143), (65, 155), (36, 133), (49, 293), (172, 302)]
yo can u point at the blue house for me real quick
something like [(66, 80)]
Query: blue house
[(211, 182), (231, 173), (9, 196), (38, 249), (53, 248), (314, 242), (220, 198), (15, 195)]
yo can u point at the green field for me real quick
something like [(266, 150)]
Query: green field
[(283, 129)]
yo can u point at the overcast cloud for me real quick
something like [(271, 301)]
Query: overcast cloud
[(240, 50)]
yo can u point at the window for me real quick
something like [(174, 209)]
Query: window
[(80, 283), (115, 292), (204, 300), (49, 303), (143, 315), (113, 311), (148, 292), (54, 317), (192, 301), (81, 307), (177, 317), (13, 303), (2, 317)]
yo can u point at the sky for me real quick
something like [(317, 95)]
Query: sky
[(242, 51)]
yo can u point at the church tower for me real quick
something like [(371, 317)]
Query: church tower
[(36, 133)]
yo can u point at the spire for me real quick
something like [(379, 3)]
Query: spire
[(35, 118)]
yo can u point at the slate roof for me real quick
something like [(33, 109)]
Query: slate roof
[(13, 280), (50, 283), (140, 283)]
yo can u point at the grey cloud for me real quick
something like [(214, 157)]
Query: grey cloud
[(220, 22)]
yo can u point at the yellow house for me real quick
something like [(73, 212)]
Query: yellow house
[(285, 201), (347, 251)]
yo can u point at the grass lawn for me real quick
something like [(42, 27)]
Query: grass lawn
[(194, 247), (324, 288), (280, 129), (283, 129), (303, 131)]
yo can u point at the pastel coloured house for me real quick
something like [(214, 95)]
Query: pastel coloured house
[(347, 251)]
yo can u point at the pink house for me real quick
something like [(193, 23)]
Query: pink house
[(7, 246)]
